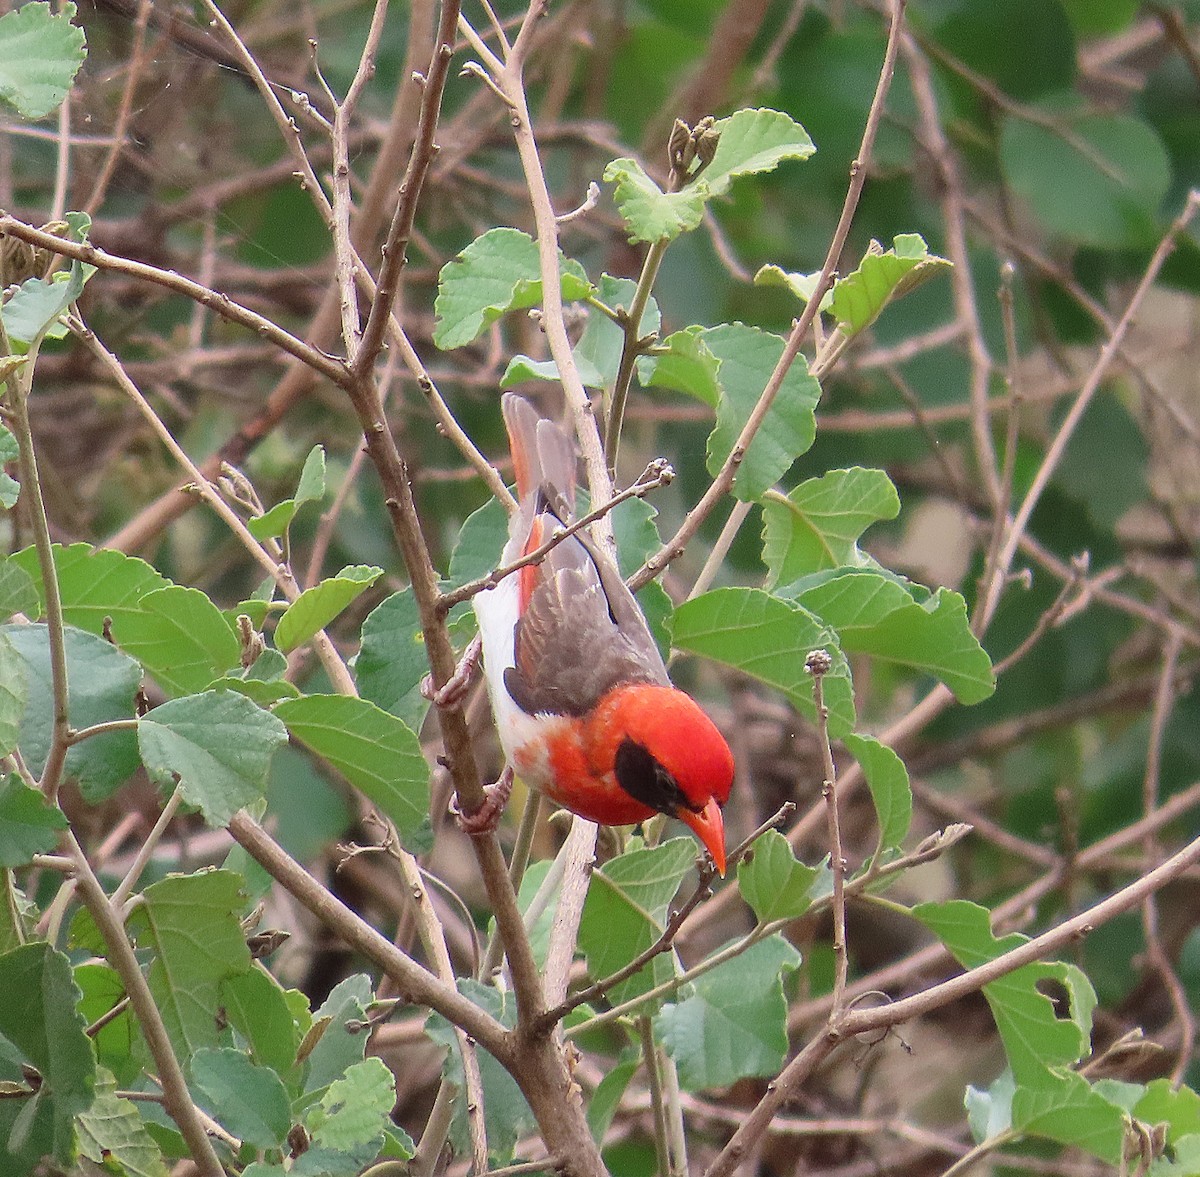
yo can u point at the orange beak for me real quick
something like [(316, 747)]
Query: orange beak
[(709, 826)]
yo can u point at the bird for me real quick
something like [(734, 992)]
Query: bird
[(582, 702)]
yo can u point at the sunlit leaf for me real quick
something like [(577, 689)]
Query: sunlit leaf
[(319, 605), (754, 141), (882, 275), (767, 638), (818, 524), (773, 881), (875, 614), (649, 213), (112, 1132), (747, 357), (497, 273)]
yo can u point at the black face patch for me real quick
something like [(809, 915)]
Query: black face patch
[(645, 780)]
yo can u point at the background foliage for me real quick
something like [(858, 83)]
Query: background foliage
[(989, 423)]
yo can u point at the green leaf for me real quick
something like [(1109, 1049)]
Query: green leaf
[(338, 1037), (609, 1092), (29, 824), (10, 451), (40, 53), (373, 750), (34, 311), (1100, 182), (750, 141), (481, 540), (748, 357), (40, 1020), (649, 213), (14, 695), (887, 778), (182, 639), (248, 1100), (1065, 1108), (735, 1023), (768, 638), (265, 693), (101, 684), (103, 990), (391, 660), (112, 1132), (883, 275), (497, 273), (818, 525), (990, 1112), (773, 881), (626, 911), (94, 583), (217, 744), (190, 924), (18, 593), (754, 141), (1037, 1035), (598, 352), (319, 605), (1025, 46), (686, 365), (1177, 1107), (801, 285), (874, 614), (257, 1007), (506, 1114), (272, 522), (310, 488), (354, 1111), (1096, 17), (1042, 1039)]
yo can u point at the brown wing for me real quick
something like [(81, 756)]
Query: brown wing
[(580, 635)]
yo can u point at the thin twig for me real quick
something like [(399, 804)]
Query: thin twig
[(433, 939), (281, 573), (645, 1031), (146, 850), (1156, 953), (400, 231), (325, 365), (176, 1098), (137, 59), (1057, 447), (657, 474), (509, 78), (818, 664), (858, 176)]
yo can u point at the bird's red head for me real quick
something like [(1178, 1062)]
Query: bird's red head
[(666, 753)]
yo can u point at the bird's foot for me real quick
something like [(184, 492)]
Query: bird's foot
[(487, 817), (454, 690)]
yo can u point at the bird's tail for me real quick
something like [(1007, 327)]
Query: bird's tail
[(543, 455)]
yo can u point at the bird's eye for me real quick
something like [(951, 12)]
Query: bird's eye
[(646, 780)]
